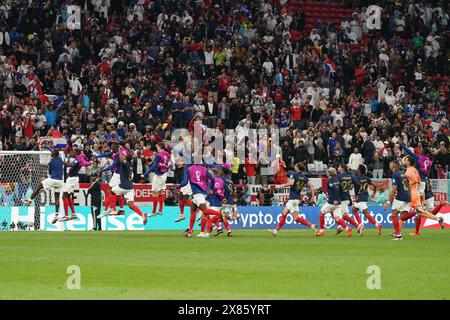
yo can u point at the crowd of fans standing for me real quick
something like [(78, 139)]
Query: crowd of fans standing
[(138, 70)]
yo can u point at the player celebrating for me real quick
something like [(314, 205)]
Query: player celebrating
[(184, 201), (201, 181), (333, 204), (297, 182), (215, 200), (346, 181), (414, 181), (55, 182), (73, 181), (429, 206), (111, 198), (423, 165), (399, 197), (160, 166), (362, 183), (126, 187)]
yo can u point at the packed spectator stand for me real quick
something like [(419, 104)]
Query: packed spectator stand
[(137, 70)]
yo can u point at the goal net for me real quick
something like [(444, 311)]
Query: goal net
[(20, 173)]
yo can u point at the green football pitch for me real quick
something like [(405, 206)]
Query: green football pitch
[(251, 265)]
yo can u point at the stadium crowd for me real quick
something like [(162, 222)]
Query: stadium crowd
[(137, 70)]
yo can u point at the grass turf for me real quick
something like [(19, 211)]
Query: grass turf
[(251, 265)]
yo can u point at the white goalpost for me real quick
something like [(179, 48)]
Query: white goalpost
[(20, 173)]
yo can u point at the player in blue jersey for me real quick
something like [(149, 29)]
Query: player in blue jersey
[(428, 205), (362, 183), (159, 167), (226, 206), (215, 200), (201, 181), (423, 165), (73, 182), (125, 187), (347, 182), (333, 204), (54, 181), (400, 197), (297, 182), (111, 198)]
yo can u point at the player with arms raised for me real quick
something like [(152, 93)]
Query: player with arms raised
[(73, 181), (125, 187), (54, 181), (297, 182), (160, 166), (111, 198)]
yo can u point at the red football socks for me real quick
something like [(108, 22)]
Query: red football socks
[(112, 201), (418, 221), (202, 224), (437, 209), (351, 221), (155, 203), (161, 203), (121, 200), (66, 206), (357, 217), (191, 220), (226, 224), (211, 212), (303, 221), (70, 203), (342, 223), (181, 205), (281, 223), (321, 221), (371, 219), (396, 224), (409, 215), (136, 209)]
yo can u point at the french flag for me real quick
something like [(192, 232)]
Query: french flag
[(58, 143), (56, 100), (329, 66)]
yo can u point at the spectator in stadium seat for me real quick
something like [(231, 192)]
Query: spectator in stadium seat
[(355, 160)]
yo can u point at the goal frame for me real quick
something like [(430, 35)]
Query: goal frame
[(35, 157)]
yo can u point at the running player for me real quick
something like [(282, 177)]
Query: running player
[(362, 183), (400, 197), (297, 182), (423, 165), (160, 166), (73, 181), (346, 181), (54, 181), (414, 181), (201, 181), (125, 187), (333, 204), (429, 206)]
